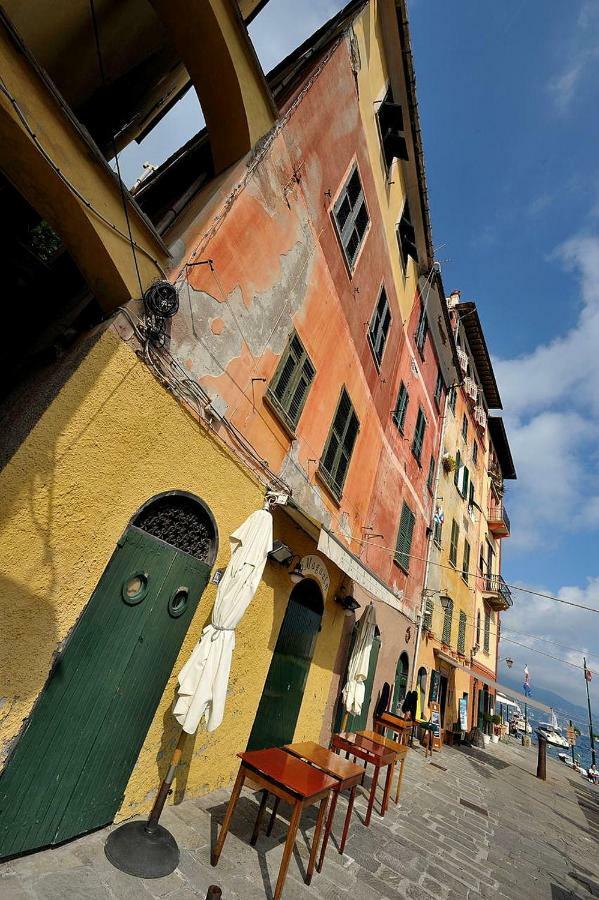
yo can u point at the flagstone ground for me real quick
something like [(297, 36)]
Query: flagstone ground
[(470, 824)]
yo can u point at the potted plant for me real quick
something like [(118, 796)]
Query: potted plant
[(449, 464), (487, 719)]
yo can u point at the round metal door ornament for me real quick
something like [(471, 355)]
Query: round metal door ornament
[(135, 588), (161, 299), (178, 602)]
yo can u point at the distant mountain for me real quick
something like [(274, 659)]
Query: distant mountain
[(564, 709)]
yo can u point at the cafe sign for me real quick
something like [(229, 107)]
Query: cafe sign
[(313, 567)]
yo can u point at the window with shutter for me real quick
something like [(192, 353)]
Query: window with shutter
[(431, 475), (487, 634), (351, 217), (419, 435), (447, 617), (478, 629), (462, 634), (406, 237), (421, 331), (404, 538), (453, 545), (338, 449), (390, 120), (437, 532), (439, 390), (427, 618), (451, 399), (399, 416), (458, 466), (465, 427), (466, 562), (379, 327), (475, 452), (289, 387)]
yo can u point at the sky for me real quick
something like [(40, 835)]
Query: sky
[(508, 96)]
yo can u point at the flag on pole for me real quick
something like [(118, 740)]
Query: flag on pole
[(526, 685), (588, 674)]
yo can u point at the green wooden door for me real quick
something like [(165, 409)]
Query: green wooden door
[(68, 772), (401, 682), (359, 723), (283, 692)]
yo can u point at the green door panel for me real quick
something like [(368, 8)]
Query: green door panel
[(358, 723), (70, 766), (283, 692), (401, 683)]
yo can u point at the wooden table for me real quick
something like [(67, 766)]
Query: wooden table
[(400, 750), (289, 779), (389, 720), (370, 752), (348, 776)]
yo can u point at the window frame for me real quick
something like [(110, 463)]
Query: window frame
[(466, 560), (388, 101), (299, 371), (452, 396), (454, 545), (461, 644), (402, 557), (487, 632), (328, 477), (385, 317), (430, 478), (439, 386), (418, 438), (344, 231), (447, 623), (465, 428), (422, 331), (401, 424), (405, 231)]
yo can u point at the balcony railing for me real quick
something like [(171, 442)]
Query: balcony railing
[(497, 591), (498, 519), (471, 388)]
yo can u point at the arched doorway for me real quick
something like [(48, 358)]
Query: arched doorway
[(401, 681), (68, 772), (421, 687), (283, 692)]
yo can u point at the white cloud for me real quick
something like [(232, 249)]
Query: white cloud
[(582, 50)]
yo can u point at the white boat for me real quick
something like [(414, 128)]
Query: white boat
[(552, 732), (518, 723)]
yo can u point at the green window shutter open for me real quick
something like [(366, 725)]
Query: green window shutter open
[(439, 389), (403, 398), (291, 383), (487, 633), (404, 538), (453, 546), (406, 237), (462, 633), (351, 217), (379, 327), (419, 435), (340, 444), (466, 563), (431, 474), (421, 331), (458, 465), (447, 617)]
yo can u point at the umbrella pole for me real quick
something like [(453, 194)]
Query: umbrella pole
[(147, 849), (344, 720)]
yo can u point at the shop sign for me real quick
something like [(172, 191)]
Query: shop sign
[(433, 696), (464, 713), (313, 567)]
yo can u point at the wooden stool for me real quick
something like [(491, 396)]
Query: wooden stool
[(291, 780), (348, 776), (370, 752), (400, 750)]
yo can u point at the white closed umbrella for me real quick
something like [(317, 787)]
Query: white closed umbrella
[(357, 670), (204, 678)]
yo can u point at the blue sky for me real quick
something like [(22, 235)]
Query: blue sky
[(508, 97)]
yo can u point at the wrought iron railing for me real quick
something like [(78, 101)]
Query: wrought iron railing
[(496, 585), (498, 513)]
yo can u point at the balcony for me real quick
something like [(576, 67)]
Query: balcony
[(471, 388), (498, 520), (496, 592)]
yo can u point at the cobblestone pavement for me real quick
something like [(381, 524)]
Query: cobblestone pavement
[(470, 824)]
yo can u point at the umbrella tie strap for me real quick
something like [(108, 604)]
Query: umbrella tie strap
[(218, 628)]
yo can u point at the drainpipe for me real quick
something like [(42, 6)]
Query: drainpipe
[(428, 548)]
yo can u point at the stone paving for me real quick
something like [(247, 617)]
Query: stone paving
[(470, 824)]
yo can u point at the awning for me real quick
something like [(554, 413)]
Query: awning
[(500, 700), (345, 560), (495, 684)]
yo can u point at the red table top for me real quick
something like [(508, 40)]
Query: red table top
[(334, 765), (374, 749), (288, 771), (395, 720)]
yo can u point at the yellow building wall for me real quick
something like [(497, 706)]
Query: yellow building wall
[(112, 439), (373, 81)]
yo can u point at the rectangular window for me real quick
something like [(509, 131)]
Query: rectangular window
[(379, 327), (351, 217), (466, 562), (399, 416), (451, 399), (475, 452), (430, 481), (465, 427), (471, 496), (439, 390), (338, 449), (487, 633), (461, 475), (462, 634), (421, 331), (390, 118), (437, 530), (427, 618), (291, 382), (447, 617), (404, 538), (406, 237), (453, 546), (419, 434)]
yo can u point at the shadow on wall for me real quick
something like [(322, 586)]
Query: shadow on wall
[(29, 637)]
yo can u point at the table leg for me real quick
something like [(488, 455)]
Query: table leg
[(327, 830), (316, 839), (375, 779), (259, 817), (352, 796), (214, 856), (273, 816), (398, 789), (293, 826), (386, 792)]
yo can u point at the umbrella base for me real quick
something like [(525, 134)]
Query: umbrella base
[(134, 849)]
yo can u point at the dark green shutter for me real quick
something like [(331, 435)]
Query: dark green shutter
[(340, 444), (379, 327), (431, 474), (419, 435), (462, 633), (447, 617), (487, 631), (466, 565), (291, 382), (453, 547), (351, 217), (399, 416), (404, 538), (458, 463)]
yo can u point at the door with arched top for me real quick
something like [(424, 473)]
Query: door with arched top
[(401, 681), (68, 772)]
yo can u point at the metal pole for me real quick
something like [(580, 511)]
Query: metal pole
[(572, 746), (542, 759), (525, 735), (590, 715)]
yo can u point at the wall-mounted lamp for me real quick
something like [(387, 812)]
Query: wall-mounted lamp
[(445, 601), (347, 603), (474, 650), (280, 553), (296, 573)]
